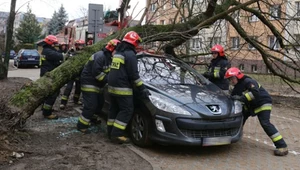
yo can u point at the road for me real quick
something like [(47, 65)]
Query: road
[(254, 151)]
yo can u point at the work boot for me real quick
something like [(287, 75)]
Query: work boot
[(281, 151), (62, 107), (78, 102), (83, 128), (96, 120), (120, 140), (51, 117)]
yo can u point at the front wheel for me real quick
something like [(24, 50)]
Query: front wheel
[(139, 129)]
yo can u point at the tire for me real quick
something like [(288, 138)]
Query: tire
[(139, 129)]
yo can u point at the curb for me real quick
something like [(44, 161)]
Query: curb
[(130, 146)]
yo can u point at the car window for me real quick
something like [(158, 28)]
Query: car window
[(31, 52), (165, 71)]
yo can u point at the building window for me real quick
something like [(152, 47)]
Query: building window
[(269, 71), (163, 4), (236, 16), (275, 11), (251, 47), (173, 3), (162, 22), (171, 21), (297, 8), (235, 43), (253, 18), (254, 68), (181, 20), (152, 7), (196, 43), (242, 67), (273, 43), (214, 40)]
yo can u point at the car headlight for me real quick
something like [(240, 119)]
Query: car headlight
[(165, 104), (238, 107)]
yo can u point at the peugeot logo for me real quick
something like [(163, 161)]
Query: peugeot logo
[(215, 109)]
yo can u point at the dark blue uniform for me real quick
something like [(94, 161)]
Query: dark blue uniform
[(50, 59), (93, 79), (258, 102), (217, 70), (123, 77)]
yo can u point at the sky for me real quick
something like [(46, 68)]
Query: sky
[(74, 8)]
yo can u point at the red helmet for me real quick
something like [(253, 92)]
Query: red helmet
[(233, 71), (218, 48), (62, 43), (79, 42), (132, 38), (50, 40), (111, 45)]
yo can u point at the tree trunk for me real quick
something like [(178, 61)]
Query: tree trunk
[(9, 35)]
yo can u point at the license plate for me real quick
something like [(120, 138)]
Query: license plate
[(31, 58), (226, 140)]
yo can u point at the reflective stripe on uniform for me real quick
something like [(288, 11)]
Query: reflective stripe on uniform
[(249, 96), (76, 95), (276, 137), (110, 122), (106, 70), (92, 58), (120, 90), (138, 82), (120, 125), (47, 106), (101, 76), (216, 72), (90, 88), (84, 120), (263, 108), (64, 97)]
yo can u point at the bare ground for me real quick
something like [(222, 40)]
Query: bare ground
[(56, 144)]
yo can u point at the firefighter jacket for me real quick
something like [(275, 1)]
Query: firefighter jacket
[(95, 72), (50, 59), (217, 70), (123, 75), (255, 97)]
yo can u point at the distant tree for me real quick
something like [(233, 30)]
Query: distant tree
[(58, 21), (29, 30)]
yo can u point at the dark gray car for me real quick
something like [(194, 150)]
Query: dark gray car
[(184, 107)]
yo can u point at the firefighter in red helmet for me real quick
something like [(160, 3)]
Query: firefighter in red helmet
[(93, 79), (123, 77), (79, 44), (257, 102), (50, 59), (217, 68)]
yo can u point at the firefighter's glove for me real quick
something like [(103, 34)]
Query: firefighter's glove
[(145, 93), (239, 98), (208, 74)]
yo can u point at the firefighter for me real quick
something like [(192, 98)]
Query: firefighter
[(79, 44), (63, 47), (51, 58), (123, 77), (257, 102), (217, 68), (93, 79)]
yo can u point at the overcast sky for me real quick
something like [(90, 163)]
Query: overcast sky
[(74, 8)]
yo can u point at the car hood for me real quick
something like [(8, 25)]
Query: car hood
[(207, 100)]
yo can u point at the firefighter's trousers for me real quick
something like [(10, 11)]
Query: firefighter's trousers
[(121, 111), (48, 104), (68, 90), (92, 104), (269, 128)]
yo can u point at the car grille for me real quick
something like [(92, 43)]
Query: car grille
[(198, 134)]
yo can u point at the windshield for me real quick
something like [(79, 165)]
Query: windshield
[(30, 52), (156, 70)]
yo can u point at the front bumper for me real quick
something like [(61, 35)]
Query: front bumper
[(188, 131)]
